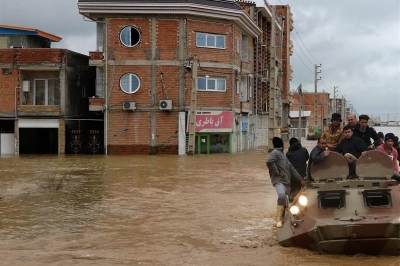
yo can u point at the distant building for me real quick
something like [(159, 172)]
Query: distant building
[(323, 107)]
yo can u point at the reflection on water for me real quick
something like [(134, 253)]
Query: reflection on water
[(145, 210)]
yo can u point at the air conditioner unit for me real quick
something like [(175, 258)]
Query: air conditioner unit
[(264, 79), (129, 106), (165, 105)]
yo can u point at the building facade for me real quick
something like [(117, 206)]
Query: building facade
[(187, 76), (324, 109), (44, 92)]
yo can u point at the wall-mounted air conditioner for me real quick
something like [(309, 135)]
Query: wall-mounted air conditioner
[(129, 106), (165, 105), (26, 86)]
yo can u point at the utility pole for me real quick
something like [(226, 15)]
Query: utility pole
[(300, 91), (193, 106), (272, 86), (335, 90), (343, 108), (316, 97)]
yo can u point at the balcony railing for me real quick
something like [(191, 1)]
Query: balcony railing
[(96, 58), (96, 104)]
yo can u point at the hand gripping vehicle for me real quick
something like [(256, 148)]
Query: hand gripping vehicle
[(338, 215)]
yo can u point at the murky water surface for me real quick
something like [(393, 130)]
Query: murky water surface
[(145, 210)]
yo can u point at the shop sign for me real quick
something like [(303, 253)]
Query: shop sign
[(213, 121)]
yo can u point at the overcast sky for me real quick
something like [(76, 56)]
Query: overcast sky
[(357, 43)]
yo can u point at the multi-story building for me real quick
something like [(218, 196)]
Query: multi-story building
[(189, 76), (43, 107)]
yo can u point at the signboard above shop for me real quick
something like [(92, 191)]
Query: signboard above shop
[(213, 121)]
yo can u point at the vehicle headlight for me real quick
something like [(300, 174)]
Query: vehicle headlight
[(294, 210), (303, 200)]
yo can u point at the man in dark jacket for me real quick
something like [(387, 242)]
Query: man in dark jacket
[(281, 172), (366, 133), (351, 147), (318, 154), (298, 156)]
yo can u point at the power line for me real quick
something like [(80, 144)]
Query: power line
[(303, 63), (305, 45), (312, 63)]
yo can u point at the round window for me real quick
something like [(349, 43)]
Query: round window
[(130, 36), (129, 83)]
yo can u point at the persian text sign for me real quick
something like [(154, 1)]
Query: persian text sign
[(213, 121)]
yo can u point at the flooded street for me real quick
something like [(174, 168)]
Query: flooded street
[(146, 210)]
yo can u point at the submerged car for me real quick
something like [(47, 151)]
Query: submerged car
[(338, 215)]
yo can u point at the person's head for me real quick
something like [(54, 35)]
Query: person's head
[(348, 131), (381, 136), (396, 142), (293, 141), (351, 119), (363, 120), (321, 143), (336, 119), (389, 139), (277, 142)]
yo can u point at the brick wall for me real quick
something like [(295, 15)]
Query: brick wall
[(167, 38), (8, 83), (130, 53), (130, 132)]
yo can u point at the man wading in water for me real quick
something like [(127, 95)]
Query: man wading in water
[(281, 172)]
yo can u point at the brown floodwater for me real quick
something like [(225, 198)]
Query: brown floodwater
[(146, 210)]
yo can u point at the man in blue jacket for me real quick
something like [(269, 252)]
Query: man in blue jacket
[(281, 172)]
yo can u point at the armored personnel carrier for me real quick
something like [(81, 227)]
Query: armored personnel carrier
[(338, 215)]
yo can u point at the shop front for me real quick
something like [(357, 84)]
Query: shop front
[(213, 132)]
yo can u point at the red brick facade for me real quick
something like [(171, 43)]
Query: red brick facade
[(129, 132)]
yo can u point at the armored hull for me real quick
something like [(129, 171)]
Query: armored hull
[(338, 215)]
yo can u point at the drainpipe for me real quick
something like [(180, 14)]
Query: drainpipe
[(256, 107), (106, 89)]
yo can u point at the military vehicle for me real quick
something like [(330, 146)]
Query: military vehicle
[(338, 215)]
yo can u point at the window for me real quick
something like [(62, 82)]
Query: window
[(130, 36), (129, 83), (244, 49), (244, 89), (332, 200), (210, 40), (211, 84), (47, 92), (377, 199)]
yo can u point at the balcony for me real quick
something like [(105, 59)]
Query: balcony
[(96, 104), (39, 110), (96, 58)]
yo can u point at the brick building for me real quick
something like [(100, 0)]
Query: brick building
[(43, 107), (189, 76), (324, 110)]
